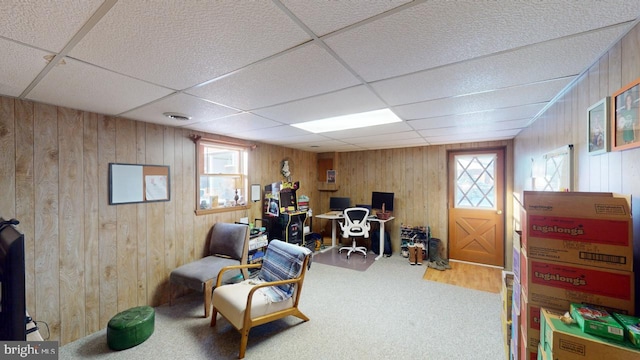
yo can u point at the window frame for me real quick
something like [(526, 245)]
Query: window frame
[(243, 163)]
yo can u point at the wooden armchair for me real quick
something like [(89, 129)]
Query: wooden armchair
[(273, 294)]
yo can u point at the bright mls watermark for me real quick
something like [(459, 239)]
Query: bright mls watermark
[(41, 350)]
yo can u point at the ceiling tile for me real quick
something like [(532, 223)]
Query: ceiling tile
[(383, 138), (20, 65), (503, 98), (480, 117), (235, 124), (183, 43), (479, 128), (549, 60), (45, 24), (305, 71), (323, 17), (271, 134), (352, 100), (199, 110), (465, 138), (85, 87), (422, 37)]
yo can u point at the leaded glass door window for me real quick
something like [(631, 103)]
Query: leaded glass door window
[(475, 181)]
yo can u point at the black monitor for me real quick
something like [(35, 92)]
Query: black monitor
[(13, 326), (339, 203), (378, 198)]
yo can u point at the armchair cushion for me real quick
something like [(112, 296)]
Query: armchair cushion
[(235, 302), (221, 240), (194, 274)]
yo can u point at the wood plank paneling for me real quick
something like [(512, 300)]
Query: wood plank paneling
[(169, 210), (70, 218), (91, 222), (108, 217), (141, 222), (47, 251), (7, 158), (127, 224), (156, 279), (25, 196)]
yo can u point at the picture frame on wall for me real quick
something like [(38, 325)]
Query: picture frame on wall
[(625, 117), (598, 127), (331, 176)]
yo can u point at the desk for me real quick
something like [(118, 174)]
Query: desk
[(334, 220)]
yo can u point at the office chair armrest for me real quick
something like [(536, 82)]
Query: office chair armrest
[(235, 267)]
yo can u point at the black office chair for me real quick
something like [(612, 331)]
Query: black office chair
[(355, 224)]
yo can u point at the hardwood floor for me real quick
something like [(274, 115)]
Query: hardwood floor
[(472, 276)]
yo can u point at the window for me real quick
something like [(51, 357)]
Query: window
[(222, 176)]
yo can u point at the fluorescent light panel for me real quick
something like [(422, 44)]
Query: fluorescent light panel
[(351, 121)]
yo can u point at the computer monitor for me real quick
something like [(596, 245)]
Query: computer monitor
[(378, 198), (339, 203)]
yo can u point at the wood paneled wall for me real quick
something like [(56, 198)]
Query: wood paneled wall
[(418, 178), (565, 122), (86, 259)]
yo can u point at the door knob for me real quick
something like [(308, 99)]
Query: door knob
[(499, 212)]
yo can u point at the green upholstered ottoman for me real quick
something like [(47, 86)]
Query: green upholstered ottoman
[(130, 327)]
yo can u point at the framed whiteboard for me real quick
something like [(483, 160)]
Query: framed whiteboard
[(135, 183)]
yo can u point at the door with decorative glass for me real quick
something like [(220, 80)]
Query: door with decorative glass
[(476, 203)]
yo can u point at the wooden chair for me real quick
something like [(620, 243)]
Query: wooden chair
[(229, 245), (273, 294)]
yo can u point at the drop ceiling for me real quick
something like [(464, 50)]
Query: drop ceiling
[(453, 71)]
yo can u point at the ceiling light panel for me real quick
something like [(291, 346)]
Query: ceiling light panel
[(384, 129), (81, 86), (350, 121), (305, 71), (182, 44)]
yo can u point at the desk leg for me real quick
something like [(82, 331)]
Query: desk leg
[(334, 231), (381, 240)]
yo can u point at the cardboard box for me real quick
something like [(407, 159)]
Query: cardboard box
[(631, 326), (597, 321), (515, 336), (593, 229), (527, 352), (529, 322), (556, 285), (567, 342)]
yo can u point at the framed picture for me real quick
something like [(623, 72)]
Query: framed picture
[(331, 176), (598, 127), (625, 126)]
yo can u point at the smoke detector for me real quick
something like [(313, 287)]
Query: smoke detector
[(177, 116)]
